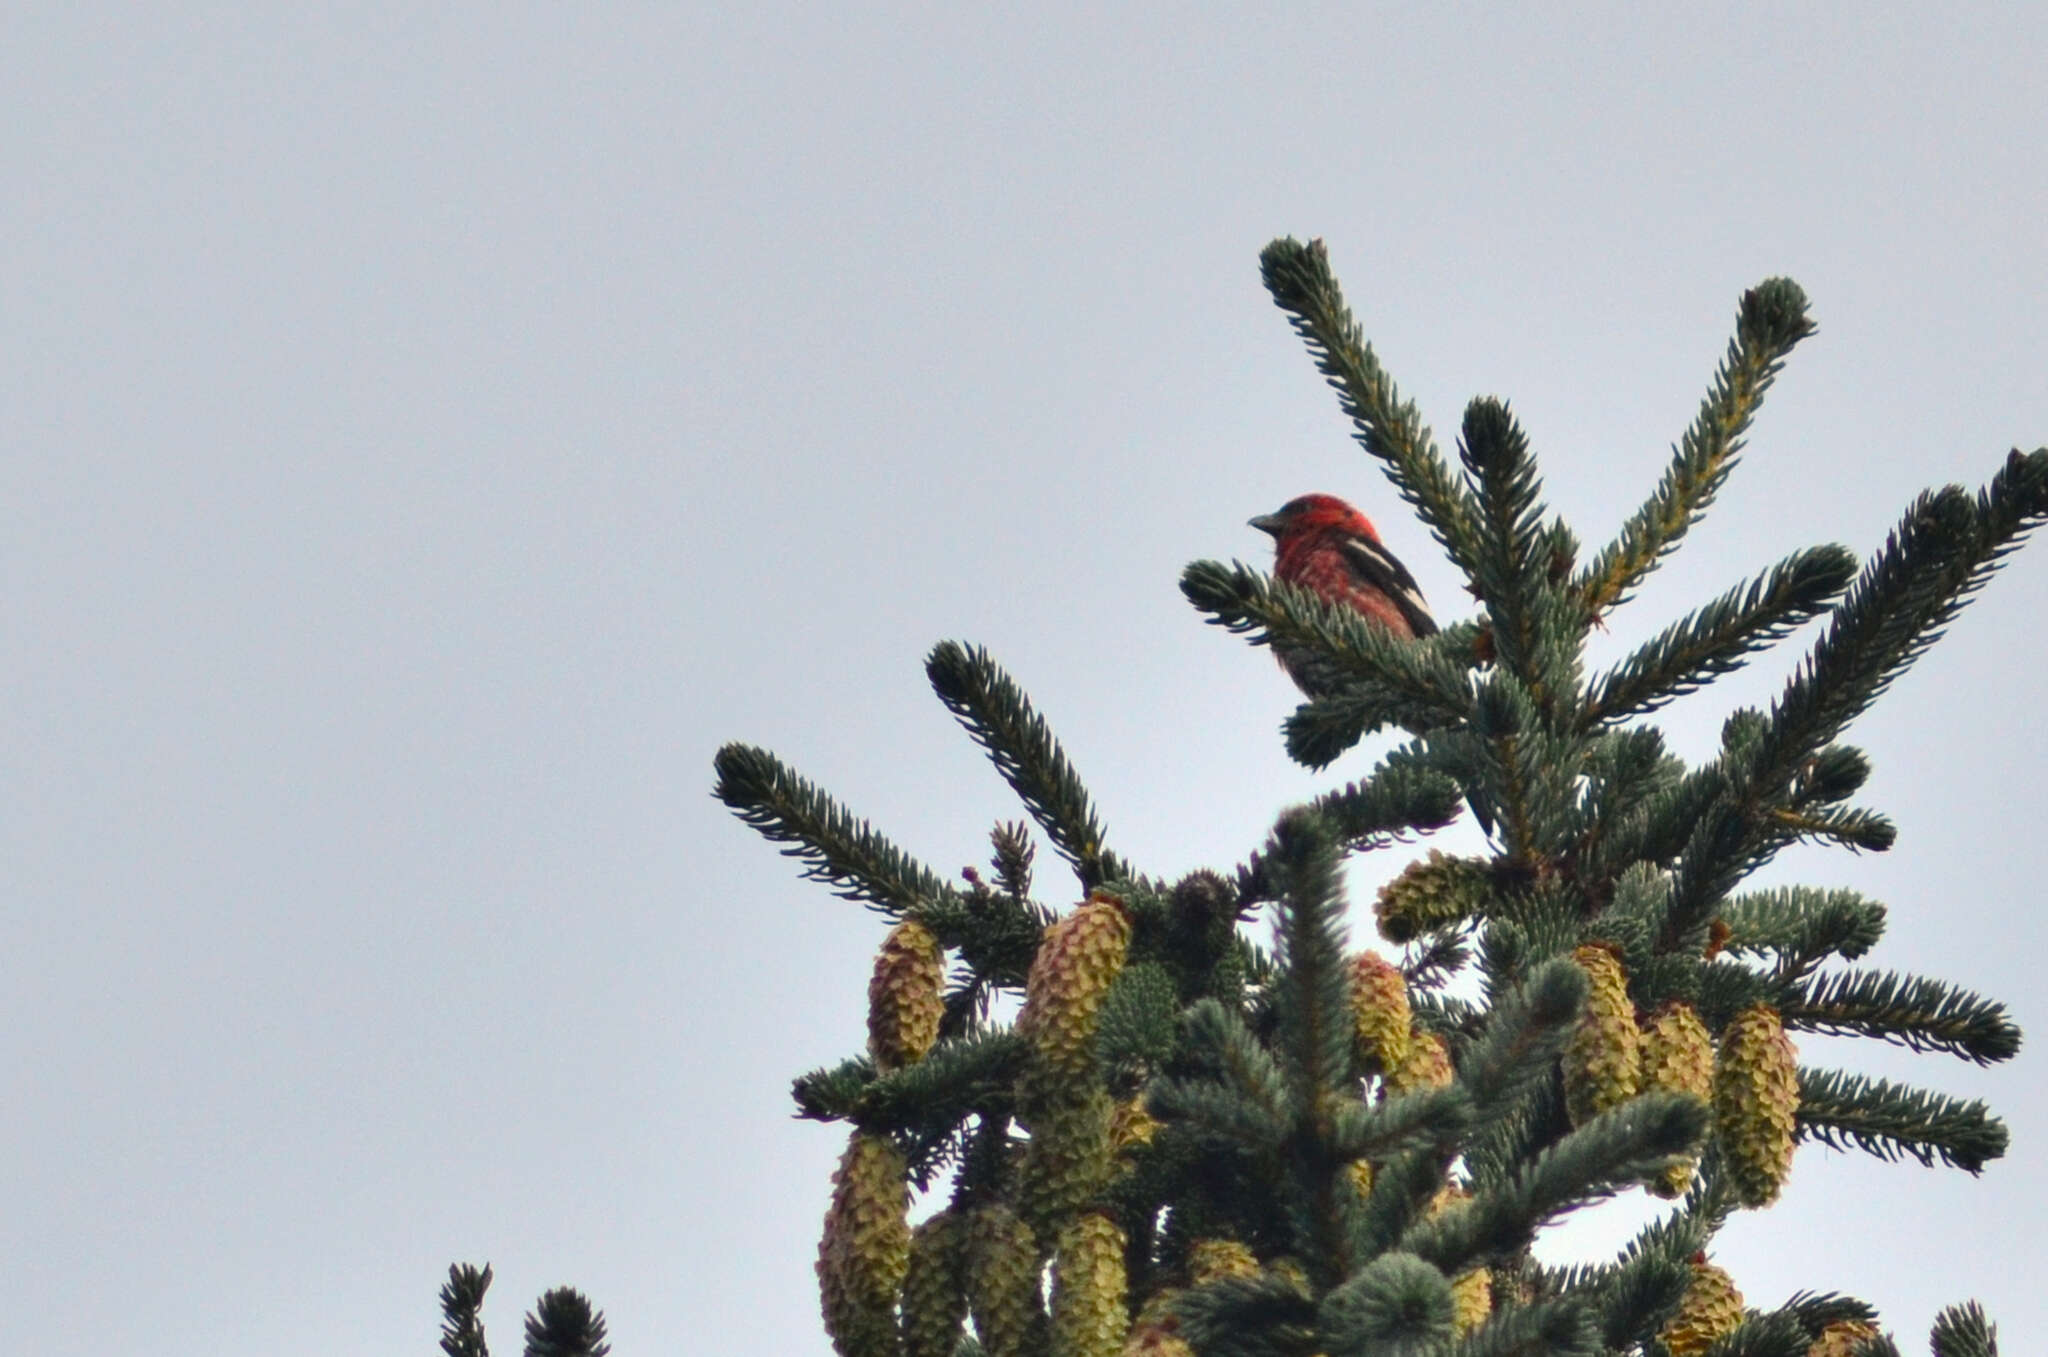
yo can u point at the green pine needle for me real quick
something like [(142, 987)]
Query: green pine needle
[(1894, 1122)]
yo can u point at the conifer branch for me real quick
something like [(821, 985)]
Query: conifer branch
[(1299, 279), (958, 1076), (1893, 1122), (1816, 1312), (1910, 1011), (1243, 1099), (1943, 551), (1509, 570), (1428, 1119), (1854, 829), (1639, 1298), (1262, 1316), (1770, 322), (1525, 1033), (995, 711), (1314, 994), (1607, 1155), (1776, 1334), (565, 1325), (1639, 1289), (1403, 794), (1964, 1331), (462, 1303), (1719, 638), (1546, 1328), (834, 846), (1802, 926), (1391, 680)]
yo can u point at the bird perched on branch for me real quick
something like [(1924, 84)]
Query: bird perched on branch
[(1324, 545)]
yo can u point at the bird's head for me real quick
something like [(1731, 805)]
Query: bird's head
[(1307, 514)]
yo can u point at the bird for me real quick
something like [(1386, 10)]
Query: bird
[(1324, 545)]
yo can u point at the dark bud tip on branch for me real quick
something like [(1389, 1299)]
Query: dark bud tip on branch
[(1774, 315), (1490, 435)]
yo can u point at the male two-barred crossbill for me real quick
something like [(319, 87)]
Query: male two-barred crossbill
[(1325, 546)]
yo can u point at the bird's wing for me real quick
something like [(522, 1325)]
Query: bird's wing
[(1374, 565)]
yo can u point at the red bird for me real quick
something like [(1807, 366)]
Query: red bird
[(1325, 545)]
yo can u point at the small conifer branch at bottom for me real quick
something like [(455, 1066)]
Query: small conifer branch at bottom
[(1964, 1331), (462, 1301), (564, 1324)]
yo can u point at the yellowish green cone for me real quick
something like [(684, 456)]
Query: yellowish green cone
[(1077, 959), (1678, 1056), (935, 1287), (1379, 1012), (1711, 1309), (1211, 1260), (1359, 1171), (1003, 1283), (1428, 1065), (1131, 1127), (1088, 1289), (1431, 894), (1067, 1160), (905, 997), (865, 1249), (1602, 1063), (1471, 1300), (1841, 1339), (1756, 1104)]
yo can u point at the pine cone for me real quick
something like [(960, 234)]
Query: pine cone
[(866, 1247), (1428, 1065), (1432, 894), (1601, 1065), (905, 1000), (1131, 1127), (1359, 1171), (1088, 1289), (1067, 1161), (1379, 1011), (1712, 1307), (1156, 1331), (1678, 1056), (1756, 1104), (1077, 959), (1212, 1260), (1843, 1338), (1472, 1299), (1002, 1283), (935, 1287)]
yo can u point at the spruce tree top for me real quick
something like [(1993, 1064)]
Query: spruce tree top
[(1293, 1148)]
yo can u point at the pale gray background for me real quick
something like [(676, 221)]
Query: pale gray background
[(430, 431)]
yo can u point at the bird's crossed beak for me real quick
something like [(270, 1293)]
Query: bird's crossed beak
[(1267, 523)]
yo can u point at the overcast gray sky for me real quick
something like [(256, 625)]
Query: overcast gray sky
[(431, 430)]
